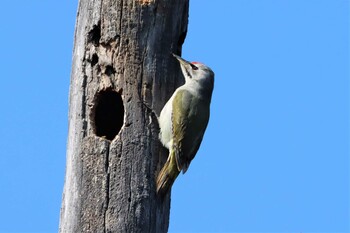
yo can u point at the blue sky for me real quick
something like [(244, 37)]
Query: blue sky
[(275, 157)]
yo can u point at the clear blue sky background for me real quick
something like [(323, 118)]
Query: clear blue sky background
[(275, 157)]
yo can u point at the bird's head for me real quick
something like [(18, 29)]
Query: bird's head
[(196, 71)]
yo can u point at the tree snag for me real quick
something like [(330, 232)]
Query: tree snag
[(122, 75)]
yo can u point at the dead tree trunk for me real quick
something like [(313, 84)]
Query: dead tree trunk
[(122, 73)]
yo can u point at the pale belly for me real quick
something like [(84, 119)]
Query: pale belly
[(165, 124)]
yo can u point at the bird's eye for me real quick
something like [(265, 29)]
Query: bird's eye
[(194, 67)]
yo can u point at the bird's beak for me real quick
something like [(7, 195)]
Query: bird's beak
[(185, 65), (181, 60)]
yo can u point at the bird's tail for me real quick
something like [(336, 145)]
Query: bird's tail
[(167, 175)]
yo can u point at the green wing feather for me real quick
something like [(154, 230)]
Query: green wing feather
[(189, 120)]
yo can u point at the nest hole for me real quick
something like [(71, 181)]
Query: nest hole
[(109, 114)]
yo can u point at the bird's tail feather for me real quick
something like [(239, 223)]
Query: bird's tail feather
[(167, 175)]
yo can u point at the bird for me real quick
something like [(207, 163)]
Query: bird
[(183, 121)]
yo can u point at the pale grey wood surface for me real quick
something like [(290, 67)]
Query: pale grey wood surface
[(124, 47)]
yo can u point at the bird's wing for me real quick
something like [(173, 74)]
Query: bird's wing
[(189, 118)]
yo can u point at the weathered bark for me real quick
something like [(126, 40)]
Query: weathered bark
[(122, 73)]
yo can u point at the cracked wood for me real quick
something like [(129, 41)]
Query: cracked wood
[(124, 46)]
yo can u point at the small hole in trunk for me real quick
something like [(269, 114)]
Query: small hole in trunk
[(109, 114)]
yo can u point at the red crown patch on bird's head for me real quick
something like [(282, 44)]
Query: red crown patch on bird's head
[(196, 62)]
